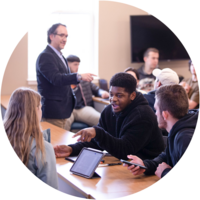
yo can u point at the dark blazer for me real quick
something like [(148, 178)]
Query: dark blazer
[(54, 81)]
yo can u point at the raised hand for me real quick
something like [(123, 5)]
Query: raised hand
[(87, 77)]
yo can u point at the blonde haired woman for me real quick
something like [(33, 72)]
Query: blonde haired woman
[(22, 125)]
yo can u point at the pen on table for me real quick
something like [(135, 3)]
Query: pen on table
[(111, 164)]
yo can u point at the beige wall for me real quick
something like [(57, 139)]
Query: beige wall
[(114, 48), (114, 41), (114, 37), (16, 71)]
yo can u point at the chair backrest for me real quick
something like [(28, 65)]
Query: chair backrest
[(103, 84), (78, 125), (3, 111)]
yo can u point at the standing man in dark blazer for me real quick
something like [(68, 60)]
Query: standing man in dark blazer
[(54, 79)]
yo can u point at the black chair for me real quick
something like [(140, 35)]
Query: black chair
[(103, 84), (79, 125), (3, 111)]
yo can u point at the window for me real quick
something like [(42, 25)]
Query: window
[(82, 40)]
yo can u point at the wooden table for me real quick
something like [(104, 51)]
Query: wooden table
[(100, 100), (116, 181)]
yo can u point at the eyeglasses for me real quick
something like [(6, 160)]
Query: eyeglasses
[(61, 35)]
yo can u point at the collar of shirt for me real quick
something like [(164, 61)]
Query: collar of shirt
[(56, 51), (59, 54)]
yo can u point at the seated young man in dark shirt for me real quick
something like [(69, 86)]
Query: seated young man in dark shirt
[(126, 126), (172, 114), (84, 109)]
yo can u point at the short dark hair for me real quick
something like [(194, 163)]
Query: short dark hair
[(124, 80), (133, 70), (146, 53), (52, 30), (73, 58), (172, 98)]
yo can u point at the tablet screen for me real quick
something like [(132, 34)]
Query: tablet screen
[(87, 162)]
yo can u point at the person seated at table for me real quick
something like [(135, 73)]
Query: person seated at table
[(163, 77), (135, 74), (126, 126), (192, 88), (22, 125), (84, 109), (172, 114)]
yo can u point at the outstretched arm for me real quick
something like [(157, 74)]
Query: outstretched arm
[(131, 142)]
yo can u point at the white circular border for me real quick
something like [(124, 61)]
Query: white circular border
[(181, 17)]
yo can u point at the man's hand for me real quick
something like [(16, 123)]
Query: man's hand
[(87, 77), (62, 151), (161, 167), (105, 95), (135, 170), (86, 134)]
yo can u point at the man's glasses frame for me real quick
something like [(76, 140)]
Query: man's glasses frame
[(61, 35)]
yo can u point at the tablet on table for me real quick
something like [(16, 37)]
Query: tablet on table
[(87, 162)]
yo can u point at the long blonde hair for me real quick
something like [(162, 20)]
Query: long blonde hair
[(21, 123)]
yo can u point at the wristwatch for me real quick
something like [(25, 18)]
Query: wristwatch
[(79, 77)]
